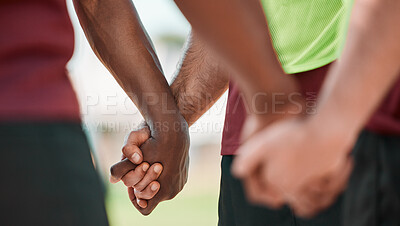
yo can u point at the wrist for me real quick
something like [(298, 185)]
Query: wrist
[(160, 112), (184, 103), (333, 130), (169, 125)]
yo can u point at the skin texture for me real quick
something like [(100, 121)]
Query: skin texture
[(308, 170), (116, 35), (199, 83), (140, 180), (238, 32)]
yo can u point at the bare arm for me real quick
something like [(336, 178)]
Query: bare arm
[(200, 82), (118, 38), (315, 163), (238, 31), (367, 68)]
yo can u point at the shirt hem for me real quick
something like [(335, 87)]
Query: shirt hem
[(310, 66)]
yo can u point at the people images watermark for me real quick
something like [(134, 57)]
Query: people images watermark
[(261, 103)]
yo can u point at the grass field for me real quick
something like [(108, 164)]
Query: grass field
[(196, 205), (187, 209)]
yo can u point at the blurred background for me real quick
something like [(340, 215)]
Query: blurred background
[(109, 115)]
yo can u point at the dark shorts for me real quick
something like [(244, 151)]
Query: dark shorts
[(235, 210), (47, 177), (372, 197)]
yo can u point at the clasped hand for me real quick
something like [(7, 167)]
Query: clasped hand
[(295, 162), (155, 164)]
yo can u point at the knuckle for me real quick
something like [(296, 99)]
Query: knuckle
[(139, 170), (139, 187), (128, 149), (140, 195), (129, 179), (152, 176), (146, 195), (139, 174), (126, 181), (125, 151), (132, 134), (145, 212)]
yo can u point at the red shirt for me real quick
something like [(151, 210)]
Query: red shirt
[(386, 120), (36, 42)]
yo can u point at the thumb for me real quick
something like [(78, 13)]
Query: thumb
[(134, 140), (120, 169), (138, 137)]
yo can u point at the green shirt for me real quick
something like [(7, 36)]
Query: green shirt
[(307, 34)]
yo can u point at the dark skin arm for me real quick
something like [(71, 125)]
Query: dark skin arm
[(119, 40)]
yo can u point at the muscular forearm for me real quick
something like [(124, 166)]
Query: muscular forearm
[(367, 68), (200, 81), (118, 38), (238, 31)]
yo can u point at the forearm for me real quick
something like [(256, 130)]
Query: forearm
[(119, 40), (367, 68), (238, 31), (200, 80)]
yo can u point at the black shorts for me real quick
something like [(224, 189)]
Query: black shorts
[(372, 197), (47, 177), (235, 210)]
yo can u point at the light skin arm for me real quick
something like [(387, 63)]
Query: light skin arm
[(200, 82), (238, 32), (119, 40), (368, 67), (318, 157)]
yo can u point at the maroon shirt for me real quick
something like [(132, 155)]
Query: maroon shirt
[(36, 42), (386, 120)]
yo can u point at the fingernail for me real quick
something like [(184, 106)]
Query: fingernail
[(135, 158), (145, 167), (154, 187), (157, 169), (142, 206)]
